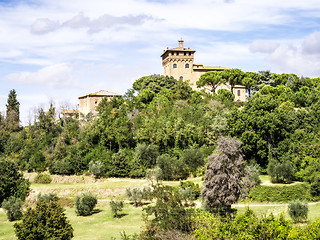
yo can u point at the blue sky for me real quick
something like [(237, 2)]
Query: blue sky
[(53, 51)]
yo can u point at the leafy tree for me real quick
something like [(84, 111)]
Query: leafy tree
[(45, 221), (116, 207), (223, 182), (97, 169), (233, 77), (146, 155), (225, 96), (193, 159), (154, 83), (250, 79), (137, 195), (169, 212), (12, 206), (212, 78), (85, 204), (280, 172), (12, 182), (13, 114)]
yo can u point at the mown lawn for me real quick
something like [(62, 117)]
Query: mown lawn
[(102, 225)]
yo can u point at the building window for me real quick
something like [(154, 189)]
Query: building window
[(238, 93), (189, 53), (185, 53), (177, 53), (174, 65), (181, 78), (187, 65)]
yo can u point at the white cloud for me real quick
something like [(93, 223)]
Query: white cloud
[(58, 75), (43, 25), (311, 44), (264, 46)]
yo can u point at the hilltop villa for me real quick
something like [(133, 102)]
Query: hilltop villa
[(178, 63)]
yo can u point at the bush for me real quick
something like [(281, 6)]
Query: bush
[(97, 169), (12, 206), (48, 197), (298, 210), (116, 207), (45, 221), (85, 204), (42, 178)]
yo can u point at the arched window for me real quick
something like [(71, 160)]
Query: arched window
[(174, 65), (181, 78), (187, 65)]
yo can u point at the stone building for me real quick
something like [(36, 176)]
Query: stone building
[(179, 63), (88, 103)]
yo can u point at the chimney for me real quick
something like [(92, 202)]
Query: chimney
[(180, 43)]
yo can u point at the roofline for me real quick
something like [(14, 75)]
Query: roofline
[(178, 50), (100, 95)]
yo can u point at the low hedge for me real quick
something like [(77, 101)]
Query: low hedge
[(284, 193)]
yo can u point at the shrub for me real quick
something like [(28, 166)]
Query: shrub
[(42, 178), (12, 206), (85, 203), (97, 169), (48, 197), (45, 221), (298, 210), (116, 207)]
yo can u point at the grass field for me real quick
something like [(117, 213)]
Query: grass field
[(102, 225)]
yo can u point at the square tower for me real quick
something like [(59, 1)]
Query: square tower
[(178, 62)]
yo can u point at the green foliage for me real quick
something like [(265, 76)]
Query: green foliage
[(212, 78), (281, 193), (85, 204), (195, 189), (315, 187), (42, 178), (146, 155), (280, 172), (12, 182), (168, 211), (173, 169), (243, 226), (45, 221), (48, 197), (136, 195), (12, 207), (13, 115), (298, 210), (225, 96), (193, 158), (154, 83), (97, 169), (154, 176), (116, 207)]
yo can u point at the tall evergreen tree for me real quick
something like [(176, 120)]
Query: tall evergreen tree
[(13, 114)]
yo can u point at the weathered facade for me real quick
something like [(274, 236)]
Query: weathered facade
[(88, 103), (179, 63)]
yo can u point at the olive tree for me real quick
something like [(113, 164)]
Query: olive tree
[(224, 178)]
